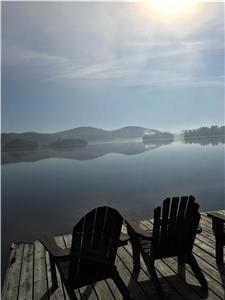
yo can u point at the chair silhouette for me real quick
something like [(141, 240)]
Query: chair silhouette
[(174, 230), (95, 240)]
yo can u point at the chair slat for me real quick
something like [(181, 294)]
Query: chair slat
[(182, 208), (156, 230), (173, 220), (99, 226), (190, 202), (164, 223), (88, 231)]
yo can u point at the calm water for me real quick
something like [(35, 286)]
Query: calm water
[(47, 192)]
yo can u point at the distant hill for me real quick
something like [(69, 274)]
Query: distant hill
[(89, 134)]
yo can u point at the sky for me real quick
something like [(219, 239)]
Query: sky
[(109, 65)]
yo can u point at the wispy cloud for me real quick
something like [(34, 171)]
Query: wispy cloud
[(133, 56), (137, 70)]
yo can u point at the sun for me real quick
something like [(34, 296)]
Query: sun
[(173, 7)]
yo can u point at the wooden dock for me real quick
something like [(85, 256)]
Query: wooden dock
[(28, 274)]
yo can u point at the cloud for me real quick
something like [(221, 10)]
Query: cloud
[(137, 69), (116, 46)]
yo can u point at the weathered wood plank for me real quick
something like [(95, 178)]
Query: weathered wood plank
[(8, 283), (216, 290), (172, 285), (40, 272), (15, 272), (102, 290), (26, 280), (135, 290), (190, 279), (210, 265), (201, 244), (58, 293), (144, 280)]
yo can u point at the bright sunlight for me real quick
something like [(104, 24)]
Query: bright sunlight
[(173, 7)]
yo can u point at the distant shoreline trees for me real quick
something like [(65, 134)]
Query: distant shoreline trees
[(213, 131), (205, 135)]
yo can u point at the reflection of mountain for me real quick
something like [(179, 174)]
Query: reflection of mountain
[(213, 140), (91, 151)]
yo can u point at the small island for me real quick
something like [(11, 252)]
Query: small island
[(67, 143), (20, 145), (157, 136)]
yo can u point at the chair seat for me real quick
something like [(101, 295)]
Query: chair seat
[(88, 270)]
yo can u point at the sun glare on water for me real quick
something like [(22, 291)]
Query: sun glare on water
[(173, 7)]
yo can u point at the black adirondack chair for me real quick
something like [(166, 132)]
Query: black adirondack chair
[(218, 226), (174, 230), (95, 240)]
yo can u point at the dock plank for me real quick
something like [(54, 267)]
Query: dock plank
[(40, 273), (13, 283), (26, 280)]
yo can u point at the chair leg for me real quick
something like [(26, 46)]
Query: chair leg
[(151, 269), (198, 273), (53, 271), (181, 267), (70, 291), (121, 286), (219, 251), (136, 254)]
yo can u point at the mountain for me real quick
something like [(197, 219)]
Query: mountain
[(88, 134)]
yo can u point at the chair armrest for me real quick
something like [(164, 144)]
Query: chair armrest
[(124, 238), (50, 245), (216, 216), (199, 229), (133, 227)]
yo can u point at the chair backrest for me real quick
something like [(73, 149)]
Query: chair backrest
[(175, 227), (95, 239)]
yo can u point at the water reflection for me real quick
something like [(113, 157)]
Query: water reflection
[(49, 195), (216, 140), (89, 152)]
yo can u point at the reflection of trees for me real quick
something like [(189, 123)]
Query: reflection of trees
[(91, 151), (20, 144), (206, 140)]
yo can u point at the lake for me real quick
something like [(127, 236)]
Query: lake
[(45, 192)]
